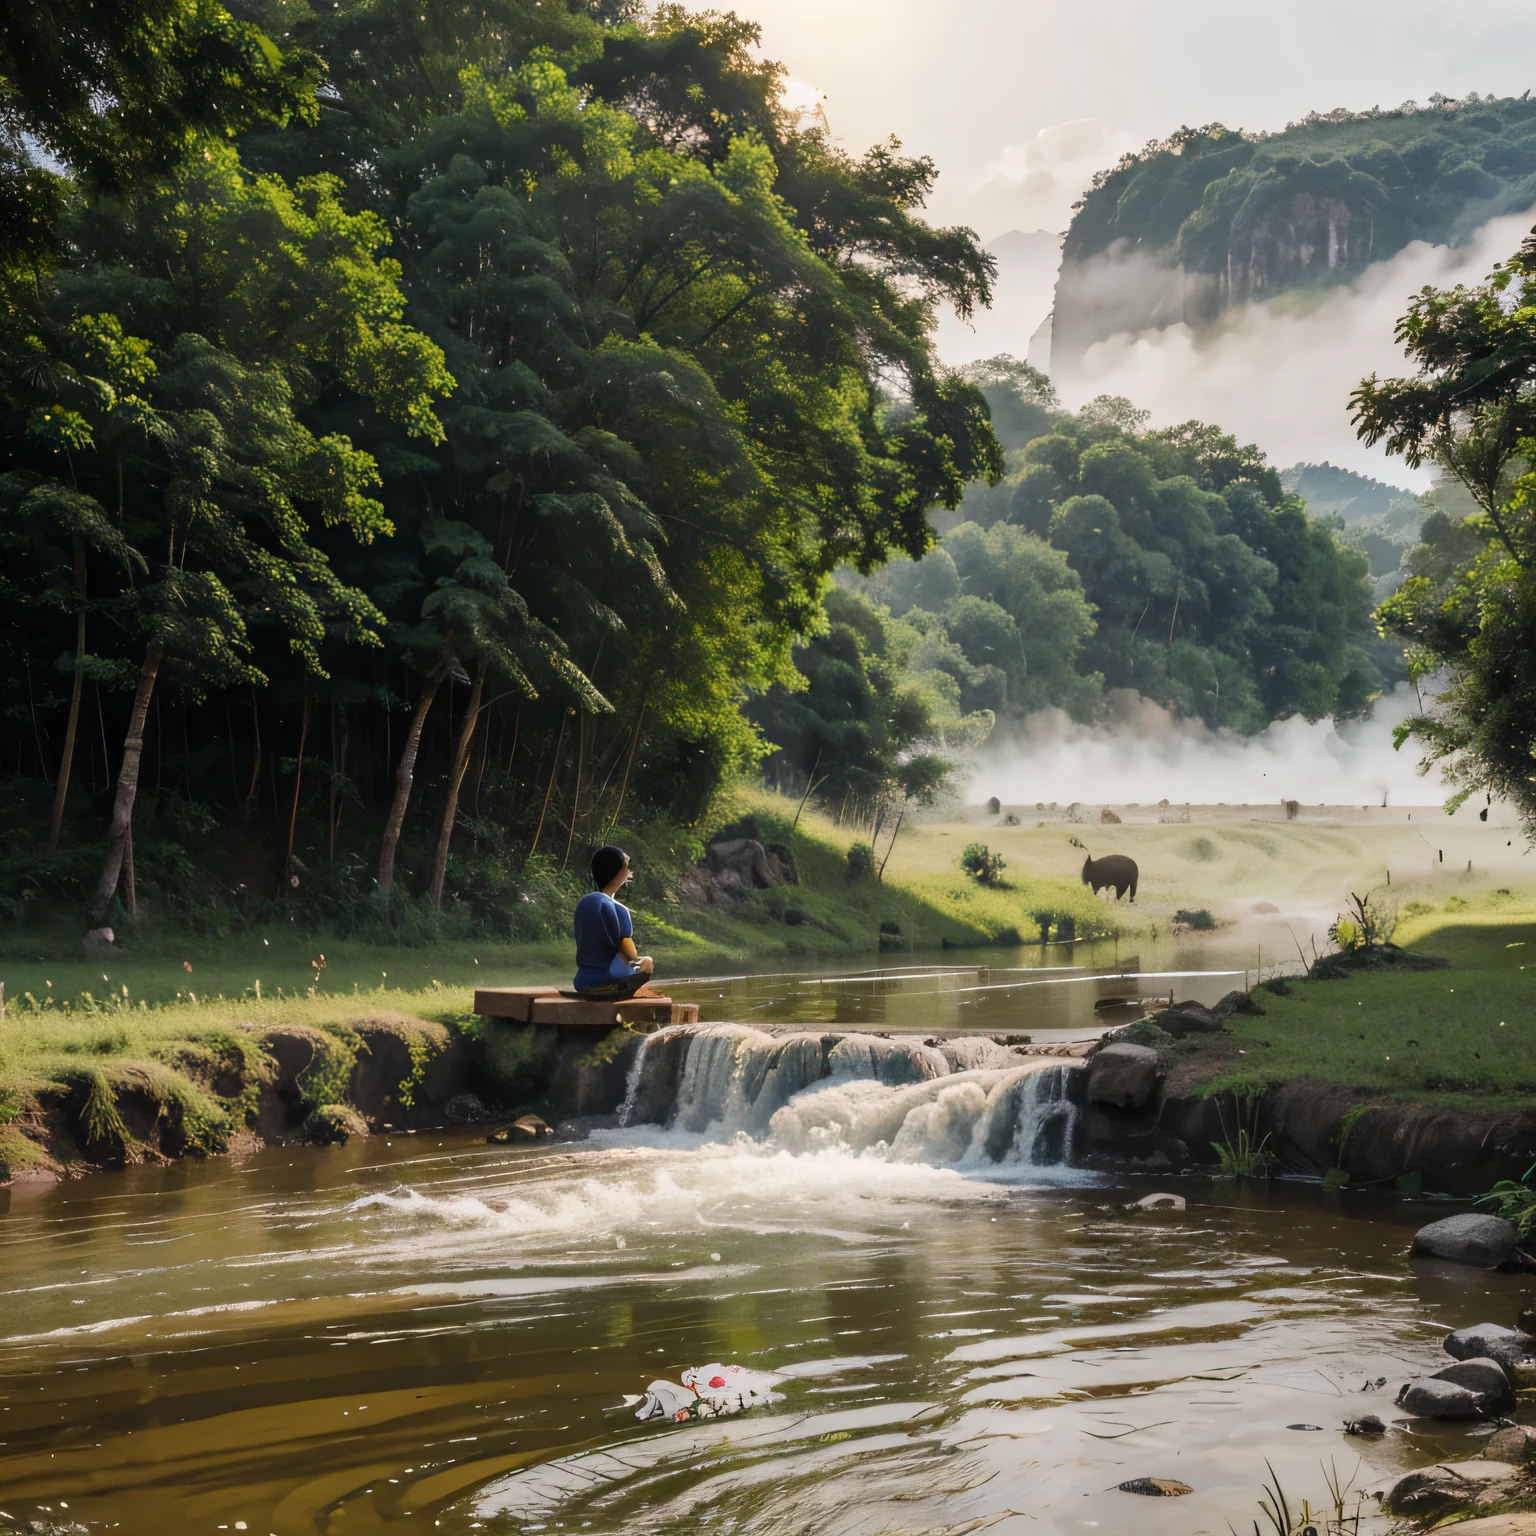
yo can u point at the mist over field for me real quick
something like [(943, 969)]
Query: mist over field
[(1141, 753)]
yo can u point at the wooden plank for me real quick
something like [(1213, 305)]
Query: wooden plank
[(545, 1005), (514, 1003)]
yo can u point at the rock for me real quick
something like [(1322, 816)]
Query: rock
[(1441, 1490), (1515, 1444), (1367, 1424), (734, 866), (1482, 1242), (1431, 1399), (1488, 1341), (1236, 1002), (1485, 1376), (1123, 1076), (99, 938), (334, 1124), (1187, 1019), (1158, 1202), (464, 1109), (525, 1128)]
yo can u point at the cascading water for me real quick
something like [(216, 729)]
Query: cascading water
[(954, 1103)]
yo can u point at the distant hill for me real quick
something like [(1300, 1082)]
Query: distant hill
[(1211, 218), (1329, 491)]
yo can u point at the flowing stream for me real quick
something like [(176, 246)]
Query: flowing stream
[(425, 1333)]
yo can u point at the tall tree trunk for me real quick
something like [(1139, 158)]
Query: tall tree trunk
[(250, 794), (891, 847), (403, 777), (298, 781), (549, 788), (581, 752), (455, 781), (120, 830), (66, 761)]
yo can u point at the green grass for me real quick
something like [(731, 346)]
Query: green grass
[(1463, 1036)]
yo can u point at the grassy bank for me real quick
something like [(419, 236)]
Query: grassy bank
[(925, 897), (1462, 1036), (174, 1023)]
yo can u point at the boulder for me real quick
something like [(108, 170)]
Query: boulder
[(1431, 1399), (334, 1124), (1187, 1019), (1487, 1377), (1443, 1490), (1488, 1341), (1123, 1076), (1482, 1242), (524, 1128), (1515, 1444)]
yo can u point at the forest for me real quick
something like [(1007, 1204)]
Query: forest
[(1168, 563), (1240, 217), (437, 436)]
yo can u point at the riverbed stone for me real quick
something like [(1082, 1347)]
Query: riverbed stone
[(1515, 1443), (1481, 1242), (1431, 1399), (1446, 1488), (1122, 1076), (1188, 1019), (1490, 1341), (1480, 1375)]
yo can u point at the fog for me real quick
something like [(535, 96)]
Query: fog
[(1280, 374), (1141, 753)]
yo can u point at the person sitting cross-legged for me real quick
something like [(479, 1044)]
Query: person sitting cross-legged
[(608, 966)]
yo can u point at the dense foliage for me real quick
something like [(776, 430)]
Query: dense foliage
[(1244, 216), (1468, 607), (450, 448), (1166, 562)]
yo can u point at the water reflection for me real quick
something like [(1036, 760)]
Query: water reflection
[(1058, 989)]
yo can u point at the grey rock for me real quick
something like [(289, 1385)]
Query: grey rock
[(1431, 1399), (1443, 1490), (1485, 1376), (1488, 1341), (1123, 1076), (1483, 1242), (1188, 1019), (464, 1109), (1516, 1444)]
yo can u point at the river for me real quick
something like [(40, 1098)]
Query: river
[(424, 1333)]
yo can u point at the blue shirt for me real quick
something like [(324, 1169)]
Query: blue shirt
[(600, 923)]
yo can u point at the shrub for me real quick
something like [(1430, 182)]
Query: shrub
[(861, 861), (981, 864), (1198, 918)]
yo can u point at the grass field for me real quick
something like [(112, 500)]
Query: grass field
[(1466, 1035)]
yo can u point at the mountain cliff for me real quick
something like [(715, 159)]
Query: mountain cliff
[(1211, 218)]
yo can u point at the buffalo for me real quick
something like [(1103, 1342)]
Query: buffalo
[(1113, 870)]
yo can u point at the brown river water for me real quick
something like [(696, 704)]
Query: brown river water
[(422, 1333)]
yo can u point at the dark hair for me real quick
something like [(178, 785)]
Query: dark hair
[(606, 863)]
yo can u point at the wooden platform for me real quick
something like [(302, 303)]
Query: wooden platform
[(545, 1005)]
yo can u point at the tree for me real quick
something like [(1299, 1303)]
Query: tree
[(1468, 608)]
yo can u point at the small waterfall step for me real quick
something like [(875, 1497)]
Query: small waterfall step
[(547, 1005)]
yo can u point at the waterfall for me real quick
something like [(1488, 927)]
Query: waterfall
[(968, 1102)]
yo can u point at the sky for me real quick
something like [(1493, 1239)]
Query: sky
[(1019, 102)]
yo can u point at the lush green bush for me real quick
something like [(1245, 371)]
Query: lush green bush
[(982, 865)]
